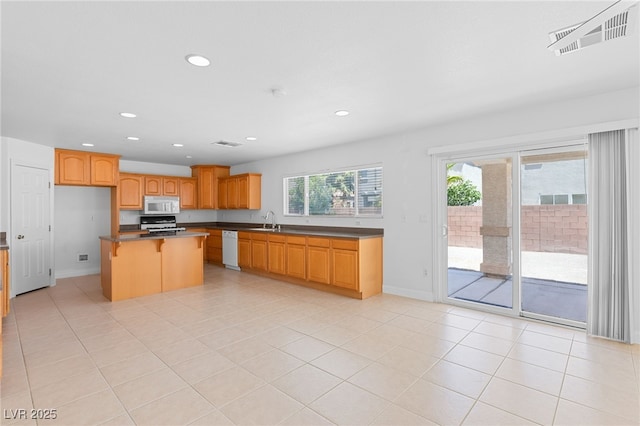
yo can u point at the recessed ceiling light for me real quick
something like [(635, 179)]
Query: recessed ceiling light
[(133, 138), (342, 113), (87, 144), (251, 138), (197, 60), (188, 156), (178, 145), (127, 115)]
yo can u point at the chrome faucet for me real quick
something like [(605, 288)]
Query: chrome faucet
[(273, 219)]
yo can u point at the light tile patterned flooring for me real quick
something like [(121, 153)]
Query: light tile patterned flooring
[(248, 350)]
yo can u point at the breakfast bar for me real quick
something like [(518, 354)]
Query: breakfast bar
[(135, 265)]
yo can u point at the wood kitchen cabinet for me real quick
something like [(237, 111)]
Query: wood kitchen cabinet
[(318, 260), (259, 252), (244, 250), (130, 191), (349, 266), (344, 258), (276, 255), (240, 191), (4, 281), (296, 254), (85, 168), (188, 188), (214, 246), (207, 177), (153, 185), (161, 185)]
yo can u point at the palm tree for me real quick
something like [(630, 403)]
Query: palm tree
[(452, 179)]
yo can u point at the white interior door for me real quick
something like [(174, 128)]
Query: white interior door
[(30, 228)]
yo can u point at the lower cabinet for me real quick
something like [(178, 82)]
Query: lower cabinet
[(214, 246), (259, 252), (349, 266), (344, 258), (318, 260), (244, 250), (277, 254), (296, 257)]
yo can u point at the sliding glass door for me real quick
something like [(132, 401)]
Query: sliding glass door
[(479, 231), (554, 235), (516, 233)]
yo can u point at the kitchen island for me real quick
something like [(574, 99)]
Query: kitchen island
[(135, 265)]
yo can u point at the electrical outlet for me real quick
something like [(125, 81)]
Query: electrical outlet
[(425, 272)]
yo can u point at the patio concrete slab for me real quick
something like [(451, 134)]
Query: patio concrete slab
[(547, 297)]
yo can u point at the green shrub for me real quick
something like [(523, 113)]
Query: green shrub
[(462, 193)]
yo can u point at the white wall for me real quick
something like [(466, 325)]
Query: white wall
[(408, 190), (16, 151), (82, 214)]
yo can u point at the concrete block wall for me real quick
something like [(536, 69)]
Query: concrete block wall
[(547, 228)]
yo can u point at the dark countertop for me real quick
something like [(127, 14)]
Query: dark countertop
[(320, 231), (3, 241), (140, 237)]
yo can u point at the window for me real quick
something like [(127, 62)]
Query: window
[(344, 193)]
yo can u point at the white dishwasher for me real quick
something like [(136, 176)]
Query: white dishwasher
[(230, 249)]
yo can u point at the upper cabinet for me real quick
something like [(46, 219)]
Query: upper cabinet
[(161, 185), (86, 168), (240, 191), (130, 191), (188, 193), (207, 177)]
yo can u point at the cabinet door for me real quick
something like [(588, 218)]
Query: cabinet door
[(104, 170), (188, 193), (222, 194), (214, 245), (259, 255), (318, 264), (232, 193), (130, 192), (296, 261), (205, 188), (73, 168), (244, 253), (152, 185), (277, 255), (170, 186), (345, 268)]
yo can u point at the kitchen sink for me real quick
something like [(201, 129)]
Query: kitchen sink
[(266, 229)]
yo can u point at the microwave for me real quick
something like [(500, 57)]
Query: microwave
[(161, 205)]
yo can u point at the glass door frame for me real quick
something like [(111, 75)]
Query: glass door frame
[(441, 232), (440, 241)]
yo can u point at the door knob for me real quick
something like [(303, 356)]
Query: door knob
[(20, 237)]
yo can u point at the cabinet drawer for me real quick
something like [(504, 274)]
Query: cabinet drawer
[(256, 236), (318, 242), (345, 244), (297, 240), (215, 232), (277, 238), (244, 235)]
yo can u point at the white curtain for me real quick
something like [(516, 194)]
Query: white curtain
[(610, 291)]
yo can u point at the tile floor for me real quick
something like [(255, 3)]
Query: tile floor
[(248, 350)]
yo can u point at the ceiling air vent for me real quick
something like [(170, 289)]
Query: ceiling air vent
[(614, 22), (227, 144)]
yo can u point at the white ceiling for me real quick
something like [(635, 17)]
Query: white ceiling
[(69, 68)]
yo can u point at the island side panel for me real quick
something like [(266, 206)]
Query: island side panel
[(182, 264), (135, 269)]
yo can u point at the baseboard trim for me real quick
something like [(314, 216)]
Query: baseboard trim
[(70, 273), (427, 296)]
